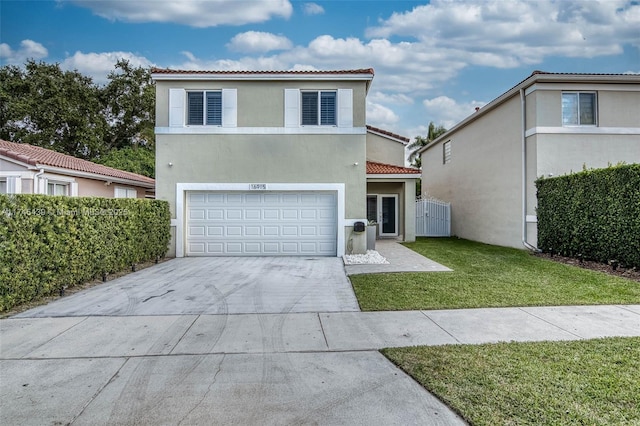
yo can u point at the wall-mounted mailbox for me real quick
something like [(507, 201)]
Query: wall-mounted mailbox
[(359, 227)]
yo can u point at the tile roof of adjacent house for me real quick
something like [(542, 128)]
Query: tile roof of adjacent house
[(374, 168), (37, 156), (264, 72), (388, 134)]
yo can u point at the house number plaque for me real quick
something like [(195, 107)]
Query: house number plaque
[(258, 186)]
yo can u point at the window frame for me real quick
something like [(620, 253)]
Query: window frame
[(204, 108), (446, 152), (127, 192), (319, 114), (6, 185), (55, 183), (578, 115)]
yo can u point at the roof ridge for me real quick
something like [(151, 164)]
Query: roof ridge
[(275, 72)]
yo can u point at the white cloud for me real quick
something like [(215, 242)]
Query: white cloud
[(28, 49), (257, 41), (98, 65), (380, 116), (390, 98), (448, 112), (194, 13), (509, 34), (312, 9)]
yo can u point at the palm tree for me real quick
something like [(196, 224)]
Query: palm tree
[(432, 133)]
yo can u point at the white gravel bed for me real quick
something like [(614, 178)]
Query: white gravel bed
[(371, 258)]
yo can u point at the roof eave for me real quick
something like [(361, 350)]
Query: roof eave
[(95, 176)]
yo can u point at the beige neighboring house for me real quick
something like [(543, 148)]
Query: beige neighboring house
[(547, 125), (274, 163), (28, 169)]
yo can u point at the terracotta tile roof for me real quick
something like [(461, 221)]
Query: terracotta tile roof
[(388, 133), (265, 72), (37, 156), (374, 168)]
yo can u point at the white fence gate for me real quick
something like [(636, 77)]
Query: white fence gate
[(433, 218)]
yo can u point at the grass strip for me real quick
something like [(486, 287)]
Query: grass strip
[(591, 382), (489, 276)]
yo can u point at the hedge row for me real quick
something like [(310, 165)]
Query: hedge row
[(593, 214), (48, 243)]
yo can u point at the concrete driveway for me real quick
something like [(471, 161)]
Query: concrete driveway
[(211, 341), (216, 285)]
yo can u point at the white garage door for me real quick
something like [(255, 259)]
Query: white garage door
[(261, 224)]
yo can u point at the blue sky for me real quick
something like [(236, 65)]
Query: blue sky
[(434, 61)]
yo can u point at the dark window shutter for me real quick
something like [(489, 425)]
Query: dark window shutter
[(310, 108), (328, 108), (195, 115), (214, 108)]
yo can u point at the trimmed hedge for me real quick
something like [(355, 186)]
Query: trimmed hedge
[(594, 214), (49, 243)]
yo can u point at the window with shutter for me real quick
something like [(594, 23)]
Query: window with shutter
[(319, 108), (204, 108)]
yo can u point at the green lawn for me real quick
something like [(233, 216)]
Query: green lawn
[(489, 276), (592, 382)]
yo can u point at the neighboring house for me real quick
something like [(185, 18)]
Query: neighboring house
[(272, 162), (548, 125), (28, 169)]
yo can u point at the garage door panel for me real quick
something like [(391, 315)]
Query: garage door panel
[(261, 223)]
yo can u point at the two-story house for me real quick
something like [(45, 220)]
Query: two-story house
[(268, 163), (549, 124)]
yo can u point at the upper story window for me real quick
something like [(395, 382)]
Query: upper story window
[(204, 108), (319, 108), (446, 152), (579, 108)]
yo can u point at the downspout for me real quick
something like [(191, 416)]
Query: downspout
[(36, 181), (524, 172)]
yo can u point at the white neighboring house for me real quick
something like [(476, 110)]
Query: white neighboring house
[(549, 124), (28, 169)]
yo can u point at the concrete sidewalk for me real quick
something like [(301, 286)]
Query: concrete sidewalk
[(295, 368)]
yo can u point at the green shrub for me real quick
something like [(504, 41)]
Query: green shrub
[(48, 243), (594, 214)]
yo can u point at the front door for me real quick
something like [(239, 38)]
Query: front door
[(383, 208)]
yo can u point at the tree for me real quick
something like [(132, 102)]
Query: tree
[(433, 133), (45, 106), (129, 107), (135, 159)]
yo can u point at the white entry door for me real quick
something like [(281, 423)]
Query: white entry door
[(383, 208), (261, 224)]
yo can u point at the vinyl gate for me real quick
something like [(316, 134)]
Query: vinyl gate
[(433, 218)]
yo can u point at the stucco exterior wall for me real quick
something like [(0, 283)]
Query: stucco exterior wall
[(483, 180), (260, 103), (405, 189), (97, 188), (617, 105), (385, 150), (564, 154)]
